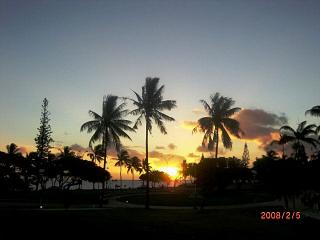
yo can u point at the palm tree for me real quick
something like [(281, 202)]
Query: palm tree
[(149, 106), (314, 111), (304, 134), (108, 127), (12, 149), (12, 152), (282, 141), (123, 158), (134, 164), (219, 119), (66, 153), (96, 153)]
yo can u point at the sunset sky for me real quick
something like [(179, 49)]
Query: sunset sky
[(263, 54)]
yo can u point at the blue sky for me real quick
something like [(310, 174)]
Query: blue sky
[(264, 54)]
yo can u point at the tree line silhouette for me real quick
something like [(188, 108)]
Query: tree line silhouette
[(287, 176)]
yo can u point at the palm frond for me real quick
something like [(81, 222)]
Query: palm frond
[(95, 115), (138, 122), (90, 126), (206, 106), (167, 105), (288, 129), (164, 116), (314, 111), (160, 125), (233, 126), (311, 141), (226, 140), (232, 111)]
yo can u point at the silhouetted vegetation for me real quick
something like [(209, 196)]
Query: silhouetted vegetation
[(219, 119), (108, 127), (149, 106)]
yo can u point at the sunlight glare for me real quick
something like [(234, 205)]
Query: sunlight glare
[(172, 171)]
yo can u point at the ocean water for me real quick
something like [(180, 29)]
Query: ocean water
[(115, 184)]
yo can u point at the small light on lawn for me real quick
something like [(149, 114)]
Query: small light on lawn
[(127, 201), (41, 206)]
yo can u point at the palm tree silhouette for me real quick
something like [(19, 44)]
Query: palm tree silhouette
[(96, 153), (219, 118), (304, 134), (12, 153), (66, 153), (134, 164), (12, 149), (314, 111), (149, 105), (122, 159), (282, 141), (108, 127)]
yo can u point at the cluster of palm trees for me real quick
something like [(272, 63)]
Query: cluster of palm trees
[(64, 170), (304, 134), (112, 125), (133, 164)]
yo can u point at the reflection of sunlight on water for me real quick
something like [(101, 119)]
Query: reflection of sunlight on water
[(126, 184)]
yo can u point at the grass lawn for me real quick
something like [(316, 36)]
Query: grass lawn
[(155, 224), (184, 198)]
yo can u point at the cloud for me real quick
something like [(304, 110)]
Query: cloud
[(192, 155), (158, 158), (221, 151), (160, 147), (198, 111), (155, 154), (172, 146), (260, 125), (23, 150), (77, 148), (188, 124), (135, 153)]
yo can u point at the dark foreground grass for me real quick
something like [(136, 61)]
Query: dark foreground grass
[(188, 199), (152, 224)]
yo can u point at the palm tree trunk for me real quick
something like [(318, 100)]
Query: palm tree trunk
[(148, 176), (132, 179), (217, 144), (104, 143), (120, 176)]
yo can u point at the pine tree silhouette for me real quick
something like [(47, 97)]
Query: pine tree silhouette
[(245, 156)]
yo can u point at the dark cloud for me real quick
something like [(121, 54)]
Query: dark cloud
[(221, 151), (160, 158), (58, 144), (135, 153), (189, 124), (155, 154), (202, 149), (198, 111), (260, 125), (192, 155), (172, 146), (78, 148), (160, 147)]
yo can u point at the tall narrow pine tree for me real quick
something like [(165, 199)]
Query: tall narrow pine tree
[(43, 141), (245, 157)]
